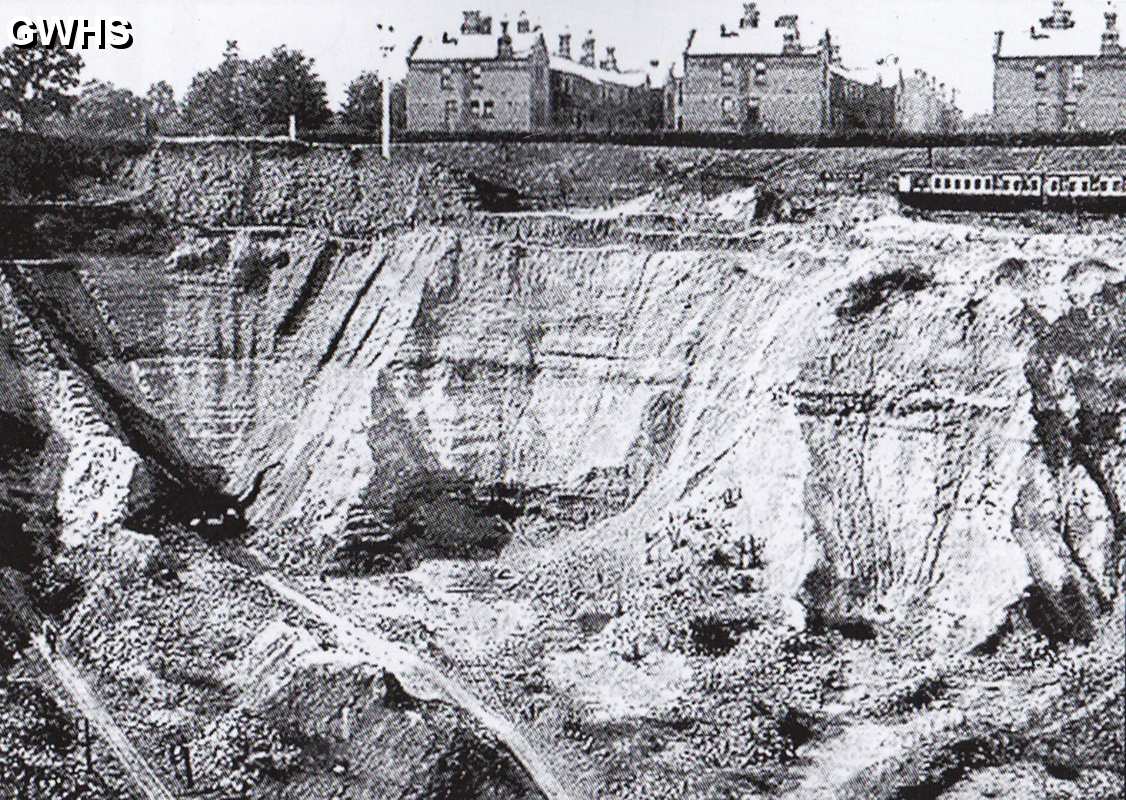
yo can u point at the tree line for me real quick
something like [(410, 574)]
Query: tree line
[(41, 90)]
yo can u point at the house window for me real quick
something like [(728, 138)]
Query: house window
[(488, 111), (728, 106), (447, 78), (1077, 76), (1041, 77), (475, 107), (728, 73), (1069, 115), (475, 74), (760, 72)]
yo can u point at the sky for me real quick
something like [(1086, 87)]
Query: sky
[(174, 39)]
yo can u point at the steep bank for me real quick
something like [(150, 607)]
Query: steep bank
[(889, 450)]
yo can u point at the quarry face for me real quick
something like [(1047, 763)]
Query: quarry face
[(319, 478)]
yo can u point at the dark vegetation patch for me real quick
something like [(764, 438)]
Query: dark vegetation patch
[(1087, 266), (593, 622), (253, 269), (121, 229), (1012, 270), (41, 753), (797, 726), (43, 167), (928, 690), (433, 515), (714, 636), (955, 762), (474, 768), (868, 294)]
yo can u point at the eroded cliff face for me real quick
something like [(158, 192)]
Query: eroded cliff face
[(949, 445)]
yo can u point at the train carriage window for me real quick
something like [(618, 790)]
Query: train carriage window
[(977, 184), (1117, 186), (936, 183), (948, 183), (1104, 186), (1035, 184), (1054, 185)]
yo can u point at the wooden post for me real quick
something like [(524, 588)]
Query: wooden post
[(345, 723), (187, 766)]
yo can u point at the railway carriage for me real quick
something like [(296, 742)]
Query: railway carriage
[(1012, 191)]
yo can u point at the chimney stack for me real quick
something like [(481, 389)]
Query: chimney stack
[(750, 16), (610, 63), (1061, 18), (791, 41), (504, 43), (1110, 45), (565, 45), (998, 38), (589, 49), (522, 23)]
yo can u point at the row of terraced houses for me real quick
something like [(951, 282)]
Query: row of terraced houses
[(755, 75)]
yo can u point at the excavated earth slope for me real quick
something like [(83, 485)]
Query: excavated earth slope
[(698, 507)]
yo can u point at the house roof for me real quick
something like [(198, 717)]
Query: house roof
[(1051, 43), (473, 47), (597, 75), (1036, 41), (766, 39), (884, 74)]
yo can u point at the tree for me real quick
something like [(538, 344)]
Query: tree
[(219, 100), (106, 110), (35, 81), (163, 110), (363, 107), (285, 82)]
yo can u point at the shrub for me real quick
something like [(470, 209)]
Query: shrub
[(868, 294)]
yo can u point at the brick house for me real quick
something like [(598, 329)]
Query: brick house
[(923, 105), (589, 94), (479, 80), (1062, 75), (862, 99), (756, 78)]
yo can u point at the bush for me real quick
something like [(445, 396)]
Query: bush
[(868, 294)]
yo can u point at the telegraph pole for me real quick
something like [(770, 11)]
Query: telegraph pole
[(386, 48)]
